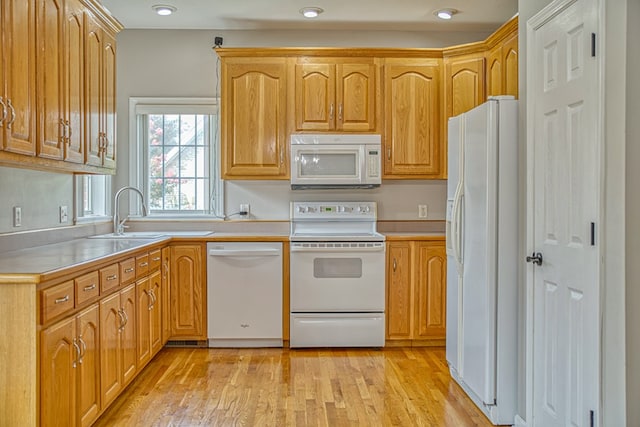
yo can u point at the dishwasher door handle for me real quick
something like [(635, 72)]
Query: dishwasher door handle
[(244, 252)]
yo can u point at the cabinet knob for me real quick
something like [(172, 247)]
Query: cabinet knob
[(395, 264)]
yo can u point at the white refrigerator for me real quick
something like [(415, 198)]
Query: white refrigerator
[(482, 235)]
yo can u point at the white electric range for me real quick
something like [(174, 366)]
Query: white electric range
[(337, 275)]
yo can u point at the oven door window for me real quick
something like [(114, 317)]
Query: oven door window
[(327, 164), (337, 268)]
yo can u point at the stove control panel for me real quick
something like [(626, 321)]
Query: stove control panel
[(334, 210)]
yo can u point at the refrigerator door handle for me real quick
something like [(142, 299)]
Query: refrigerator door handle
[(455, 227)]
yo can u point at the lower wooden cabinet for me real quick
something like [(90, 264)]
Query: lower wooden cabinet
[(149, 298), (416, 292), (187, 292), (70, 371), (165, 268), (118, 355)]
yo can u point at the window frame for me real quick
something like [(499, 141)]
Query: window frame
[(138, 150), (101, 196)]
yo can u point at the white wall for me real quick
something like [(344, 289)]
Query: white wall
[(182, 63), (39, 194)]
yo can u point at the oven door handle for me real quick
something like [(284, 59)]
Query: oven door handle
[(337, 249), (244, 252)]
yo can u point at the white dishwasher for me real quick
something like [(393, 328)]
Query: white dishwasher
[(244, 294)]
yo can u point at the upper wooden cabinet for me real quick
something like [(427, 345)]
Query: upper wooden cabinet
[(464, 83), (46, 48), (502, 61), (412, 142), (335, 94), (254, 118), (100, 73), (18, 76)]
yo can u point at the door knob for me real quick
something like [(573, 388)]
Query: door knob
[(535, 258)]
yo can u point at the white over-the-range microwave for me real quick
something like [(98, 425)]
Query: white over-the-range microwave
[(335, 161)]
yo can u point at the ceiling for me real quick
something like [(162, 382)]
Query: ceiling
[(399, 15)]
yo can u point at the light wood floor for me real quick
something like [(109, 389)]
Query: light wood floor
[(282, 387)]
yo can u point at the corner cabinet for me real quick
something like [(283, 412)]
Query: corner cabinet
[(502, 61), (187, 290), (335, 94), (254, 118), (416, 292), (57, 85), (413, 146)]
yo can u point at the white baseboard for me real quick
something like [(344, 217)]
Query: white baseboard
[(519, 422)]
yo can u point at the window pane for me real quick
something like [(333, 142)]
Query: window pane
[(178, 158), (171, 129)]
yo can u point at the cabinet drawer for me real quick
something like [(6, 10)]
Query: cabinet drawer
[(87, 287), (154, 260), (127, 271), (142, 265), (57, 300), (109, 278)]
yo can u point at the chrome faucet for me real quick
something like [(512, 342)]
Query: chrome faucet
[(118, 226)]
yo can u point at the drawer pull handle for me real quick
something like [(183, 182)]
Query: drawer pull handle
[(112, 277), (63, 299), (155, 259), (144, 264), (89, 288), (129, 270)]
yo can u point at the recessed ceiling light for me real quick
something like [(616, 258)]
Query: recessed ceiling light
[(311, 12), (445, 13), (164, 9)]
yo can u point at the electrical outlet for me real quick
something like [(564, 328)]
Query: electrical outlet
[(245, 209), (422, 211), (64, 214), (17, 216)]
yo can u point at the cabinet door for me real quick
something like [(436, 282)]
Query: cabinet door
[(19, 73), (58, 362), (494, 72), (93, 92), (111, 321), (74, 82), (315, 96), (431, 291), (464, 83), (399, 290), (108, 112), (356, 97), (128, 335), (165, 297), (50, 21), (253, 117), (144, 311), (412, 121), (188, 295), (89, 368), (155, 316), (510, 65)]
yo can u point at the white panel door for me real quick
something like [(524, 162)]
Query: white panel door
[(564, 188)]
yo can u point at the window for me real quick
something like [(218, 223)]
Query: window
[(173, 160), (92, 197)]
